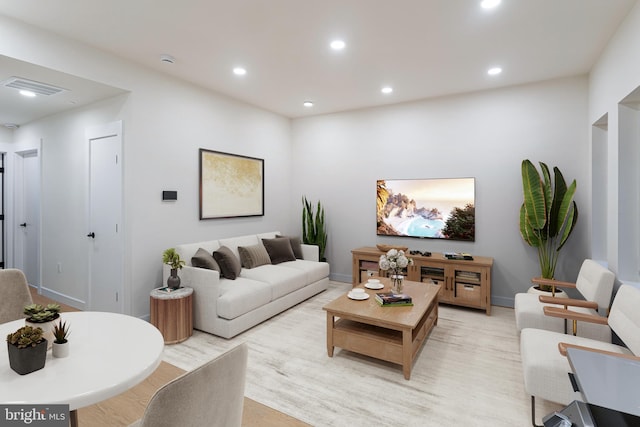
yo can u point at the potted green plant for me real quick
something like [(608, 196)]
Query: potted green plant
[(43, 317), (172, 259), (548, 215), (27, 349), (60, 342), (313, 227)]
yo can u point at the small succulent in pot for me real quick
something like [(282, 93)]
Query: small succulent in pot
[(27, 349), (37, 313), (61, 332), (26, 336)]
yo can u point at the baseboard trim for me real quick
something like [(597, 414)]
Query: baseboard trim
[(62, 298)]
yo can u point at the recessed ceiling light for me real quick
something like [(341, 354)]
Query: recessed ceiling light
[(27, 93), (239, 71), (307, 104), (489, 4), (167, 59), (494, 71), (338, 45), (386, 89)]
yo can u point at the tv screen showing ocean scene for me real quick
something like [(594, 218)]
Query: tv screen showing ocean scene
[(427, 208)]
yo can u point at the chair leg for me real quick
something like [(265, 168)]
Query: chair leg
[(533, 412)]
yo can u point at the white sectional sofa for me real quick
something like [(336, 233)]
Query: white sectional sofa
[(226, 307)]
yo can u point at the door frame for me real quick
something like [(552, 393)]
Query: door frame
[(93, 133), (13, 153), (18, 205)]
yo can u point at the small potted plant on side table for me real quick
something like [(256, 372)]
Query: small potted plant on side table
[(60, 343), (43, 317), (27, 350), (172, 259)]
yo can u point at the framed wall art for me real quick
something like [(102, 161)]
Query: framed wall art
[(230, 185)]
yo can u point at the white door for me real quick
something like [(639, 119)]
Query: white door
[(105, 234), (27, 215)]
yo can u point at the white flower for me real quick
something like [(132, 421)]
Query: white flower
[(394, 260)]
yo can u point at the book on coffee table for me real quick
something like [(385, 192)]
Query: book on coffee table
[(390, 299)]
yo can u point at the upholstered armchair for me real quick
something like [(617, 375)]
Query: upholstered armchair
[(546, 369), (594, 283), (211, 395)]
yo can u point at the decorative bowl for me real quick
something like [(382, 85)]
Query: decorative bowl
[(387, 248)]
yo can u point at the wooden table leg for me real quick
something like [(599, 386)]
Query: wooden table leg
[(73, 418), (406, 353), (330, 323)]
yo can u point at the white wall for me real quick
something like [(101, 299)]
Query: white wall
[(615, 76), (165, 123), (484, 135)]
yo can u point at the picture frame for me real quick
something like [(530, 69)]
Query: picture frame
[(231, 185)]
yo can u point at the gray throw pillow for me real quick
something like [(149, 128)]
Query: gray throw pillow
[(203, 259), (229, 263), (253, 256), (296, 245), (279, 250)]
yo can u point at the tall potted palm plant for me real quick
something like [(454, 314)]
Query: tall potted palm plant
[(548, 214)]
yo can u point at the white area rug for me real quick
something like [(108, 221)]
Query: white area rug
[(467, 374)]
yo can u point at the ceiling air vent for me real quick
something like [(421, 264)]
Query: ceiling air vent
[(35, 87)]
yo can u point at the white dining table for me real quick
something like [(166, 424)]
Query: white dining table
[(109, 353)]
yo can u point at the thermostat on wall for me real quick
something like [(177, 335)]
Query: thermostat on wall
[(169, 195)]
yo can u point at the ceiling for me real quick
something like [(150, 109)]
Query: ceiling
[(421, 48)]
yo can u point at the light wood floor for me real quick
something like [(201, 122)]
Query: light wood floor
[(128, 407)]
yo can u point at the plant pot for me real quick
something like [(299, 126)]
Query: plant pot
[(173, 281), (536, 290), (60, 349), (27, 360), (47, 329)]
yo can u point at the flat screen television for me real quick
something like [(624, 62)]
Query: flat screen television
[(427, 208)]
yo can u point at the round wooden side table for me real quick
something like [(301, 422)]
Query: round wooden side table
[(172, 313)]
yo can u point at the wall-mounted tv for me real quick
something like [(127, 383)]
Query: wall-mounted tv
[(427, 208)]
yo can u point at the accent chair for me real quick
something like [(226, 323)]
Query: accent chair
[(595, 284)]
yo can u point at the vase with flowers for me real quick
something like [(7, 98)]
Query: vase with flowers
[(395, 261)]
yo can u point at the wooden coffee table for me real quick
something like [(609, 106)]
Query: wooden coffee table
[(394, 334)]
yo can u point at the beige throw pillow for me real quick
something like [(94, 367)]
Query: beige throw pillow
[(253, 256)]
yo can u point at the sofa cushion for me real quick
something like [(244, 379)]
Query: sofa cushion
[(229, 264), (313, 270), (241, 296), (296, 245), (283, 280), (253, 256), (279, 250), (204, 259)]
